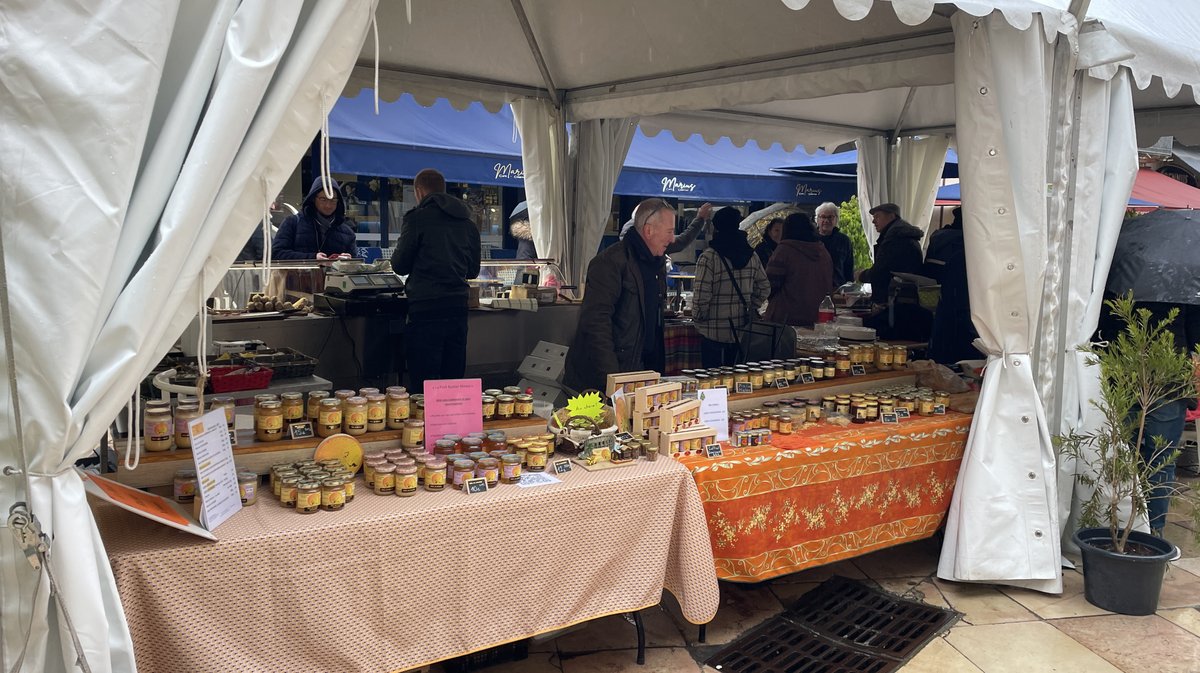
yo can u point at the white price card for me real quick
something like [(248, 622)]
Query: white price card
[(216, 476), (714, 411)]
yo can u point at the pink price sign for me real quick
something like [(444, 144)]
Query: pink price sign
[(452, 407)]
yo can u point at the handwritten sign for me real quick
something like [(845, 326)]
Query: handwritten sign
[(901, 412), (452, 407), (624, 437), (743, 387), (889, 419), (713, 451), (475, 484), (562, 466), (781, 383), (714, 411), (302, 430), (216, 476), (939, 409), (858, 370), (806, 377)]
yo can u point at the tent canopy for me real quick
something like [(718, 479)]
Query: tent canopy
[(847, 163)]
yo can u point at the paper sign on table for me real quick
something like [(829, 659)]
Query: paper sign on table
[(148, 505), (452, 407), (714, 411), (216, 476)]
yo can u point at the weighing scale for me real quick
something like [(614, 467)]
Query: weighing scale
[(361, 283)]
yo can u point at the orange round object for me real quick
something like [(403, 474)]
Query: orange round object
[(343, 448)]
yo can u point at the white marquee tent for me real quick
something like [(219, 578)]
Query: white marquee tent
[(143, 139)]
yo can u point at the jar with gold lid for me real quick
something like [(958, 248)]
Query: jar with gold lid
[(941, 397), (333, 495), (376, 412), (817, 369), (183, 486), (535, 457), (925, 406), (786, 425), (463, 470), (157, 427), (268, 423), (314, 404), (369, 467), (406, 480), (768, 376), (435, 474), (308, 497), (293, 407), (329, 418), (385, 479), (505, 406), (414, 433), (226, 404), (489, 469), (523, 406), (354, 416), (510, 468), (288, 491), (489, 407), (184, 414), (398, 408)]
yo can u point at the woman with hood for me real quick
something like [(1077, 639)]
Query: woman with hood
[(518, 225), (772, 235), (319, 231), (730, 288), (800, 273)]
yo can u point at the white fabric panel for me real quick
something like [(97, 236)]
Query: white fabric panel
[(917, 165), (600, 149), (1002, 525), (544, 155), (145, 138), (874, 172), (1107, 161)]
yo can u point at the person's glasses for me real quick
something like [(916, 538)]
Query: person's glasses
[(322, 197), (661, 205)]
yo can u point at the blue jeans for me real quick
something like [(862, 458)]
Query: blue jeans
[(1166, 422)]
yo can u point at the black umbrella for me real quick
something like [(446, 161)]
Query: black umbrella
[(1158, 257)]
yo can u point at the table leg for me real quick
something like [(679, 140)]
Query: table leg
[(703, 633), (641, 634)]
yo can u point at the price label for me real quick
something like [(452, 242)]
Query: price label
[(562, 466), (889, 419), (807, 377), (714, 451), (901, 412), (939, 410), (302, 430), (743, 387), (781, 383), (475, 485), (858, 370)]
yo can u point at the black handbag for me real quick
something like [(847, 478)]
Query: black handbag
[(759, 339)]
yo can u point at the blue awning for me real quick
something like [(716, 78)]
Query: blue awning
[(952, 195), (480, 147), (847, 163)]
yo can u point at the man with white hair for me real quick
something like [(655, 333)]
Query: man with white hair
[(621, 322), (837, 243)]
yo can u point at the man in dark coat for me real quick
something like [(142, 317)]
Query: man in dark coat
[(621, 325), (319, 231), (943, 244), (841, 251), (439, 250), (898, 250)]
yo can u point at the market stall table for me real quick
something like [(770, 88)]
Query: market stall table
[(393, 583), (828, 493)]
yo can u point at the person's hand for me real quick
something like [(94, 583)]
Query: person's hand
[(321, 255), (705, 212), (345, 255)]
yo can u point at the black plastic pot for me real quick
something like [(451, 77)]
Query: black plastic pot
[(1123, 583)]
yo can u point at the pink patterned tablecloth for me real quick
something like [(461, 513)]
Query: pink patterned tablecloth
[(392, 583)]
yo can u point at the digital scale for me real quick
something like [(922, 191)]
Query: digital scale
[(361, 283)]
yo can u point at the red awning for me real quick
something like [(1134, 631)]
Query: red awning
[(1164, 190)]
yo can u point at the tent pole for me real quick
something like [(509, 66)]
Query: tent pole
[(519, 10)]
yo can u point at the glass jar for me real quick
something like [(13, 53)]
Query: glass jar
[(899, 357), (369, 467), (463, 470), (703, 381), (786, 426), (817, 369), (329, 418), (883, 357), (183, 486), (333, 495), (887, 405), (308, 497), (842, 363), (830, 369), (773, 422), (225, 403), (258, 402), (184, 414), (348, 482), (157, 427), (489, 407), (343, 394), (414, 433), (418, 407), (469, 445), (288, 490), (872, 411), (268, 423), (523, 406), (512, 390), (741, 376), (398, 408), (376, 412), (510, 469), (422, 461), (489, 469), (535, 457), (505, 406), (293, 407), (908, 402), (435, 474), (941, 397), (768, 376), (445, 447), (406, 480), (756, 378), (314, 404), (925, 406), (726, 382), (385, 479), (354, 416), (496, 441), (858, 412)]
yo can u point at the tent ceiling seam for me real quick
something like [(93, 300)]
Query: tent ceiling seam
[(774, 119), (433, 78), (519, 10)]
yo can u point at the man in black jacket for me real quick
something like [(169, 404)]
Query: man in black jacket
[(898, 250), (439, 250), (841, 251), (319, 231), (620, 324)]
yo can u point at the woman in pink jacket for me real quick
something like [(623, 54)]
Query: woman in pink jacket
[(800, 272)]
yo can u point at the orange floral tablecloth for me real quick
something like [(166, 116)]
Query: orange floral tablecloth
[(828, 493)]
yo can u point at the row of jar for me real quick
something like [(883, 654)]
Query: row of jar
[(185, 489), (309, 486)]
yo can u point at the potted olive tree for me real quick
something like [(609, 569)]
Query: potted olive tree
[(1141, 370)]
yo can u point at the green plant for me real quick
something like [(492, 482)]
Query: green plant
[(850, 224), (1140, 371)]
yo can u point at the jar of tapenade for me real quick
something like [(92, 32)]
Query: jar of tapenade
[(523, 407), (435, 474), (333, 494), (288, 487), (268, 422), (463, 470), (489, 407), (183, 486), (535, 457), (385, 479), (489, 469), (308, 497), (247, 487), (817, 369), (510, 468), (858, 412), (872, 411), (184, 414), (157, 427), (406, 480), (376, 412), (505, 406), (329, 419), (226, 404), (414, 433), (354, 416), (398, 408), (314, 404)]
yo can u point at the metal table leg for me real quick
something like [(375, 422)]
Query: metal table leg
[(703, 633), (641, 635)]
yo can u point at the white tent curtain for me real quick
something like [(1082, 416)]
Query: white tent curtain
[(917, 165), (874, 161), (600, 147), (1003, 519), (544, 154), (143, 168)]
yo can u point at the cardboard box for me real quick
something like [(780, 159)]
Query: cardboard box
[(630, 381)]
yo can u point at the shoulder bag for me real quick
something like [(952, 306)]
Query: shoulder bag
[(758, 339)]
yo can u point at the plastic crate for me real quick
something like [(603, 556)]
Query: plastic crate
[(234, 378), (287, 363), (515, 651)]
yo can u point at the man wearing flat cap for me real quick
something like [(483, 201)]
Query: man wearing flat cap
[(897, 250)]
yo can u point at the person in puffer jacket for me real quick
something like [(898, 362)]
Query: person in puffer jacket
[(319, 231)]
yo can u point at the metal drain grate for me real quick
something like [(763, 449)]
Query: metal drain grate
[(841, 626)]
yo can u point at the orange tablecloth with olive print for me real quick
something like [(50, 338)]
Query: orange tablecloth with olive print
[(828, 493)]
